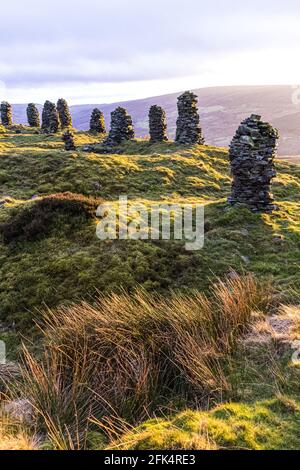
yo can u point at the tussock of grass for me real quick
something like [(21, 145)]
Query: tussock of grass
[(126, 355)]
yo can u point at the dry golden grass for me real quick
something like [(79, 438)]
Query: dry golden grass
[(125, 355), (14, 437)]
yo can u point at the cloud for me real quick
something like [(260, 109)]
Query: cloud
[(72, 42)]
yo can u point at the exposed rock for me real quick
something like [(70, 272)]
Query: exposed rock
[(275, 331), (188, 123), (68, 139), (88, 148), (121, 128), (20, 410), (252, 153), (64, 113), (33, 115), (97, 122), (96, 185), (6, 113), (8, 373), (157, 124), (245, 259)]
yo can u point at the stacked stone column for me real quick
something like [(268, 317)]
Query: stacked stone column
[(50, 118), (6, 113), (121, 127), (97, 122), (252, 153), (157, 124), (33, 115), (188, 123), (64, 113), (68, 139)]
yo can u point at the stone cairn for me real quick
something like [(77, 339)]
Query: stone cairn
[(121, 128), (68, 139), (157, 124), (50, 118), (64, 113), (6, 113), (33, 115), (188, 122), (97, 122), (252, 153)]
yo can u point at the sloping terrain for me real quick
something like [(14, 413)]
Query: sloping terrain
[(50, 257), (221, 108), (65, 261)]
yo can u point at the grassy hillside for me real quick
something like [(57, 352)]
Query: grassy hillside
[(221, 110), (65, 261), (50, 256)]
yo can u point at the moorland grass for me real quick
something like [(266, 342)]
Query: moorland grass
[(129, 356), (50, 255), (67, 261)]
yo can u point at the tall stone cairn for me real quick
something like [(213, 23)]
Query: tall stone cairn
[(64, 113), (252, 153), (68, 139), (6, 113), (157, 124), (45, 116), (188, 123), (97, 122), (121, 127), (33, 115), (50, 118)]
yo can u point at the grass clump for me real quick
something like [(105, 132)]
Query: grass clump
[(126, 356)]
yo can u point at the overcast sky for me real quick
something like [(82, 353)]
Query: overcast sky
[(96, 51)]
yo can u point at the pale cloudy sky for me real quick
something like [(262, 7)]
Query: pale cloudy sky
[(96, 51)]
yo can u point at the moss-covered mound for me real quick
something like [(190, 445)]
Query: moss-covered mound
[(264, 425)]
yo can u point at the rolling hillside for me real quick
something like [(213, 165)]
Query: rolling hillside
[(66, 250), (146, 344), (222, 110)]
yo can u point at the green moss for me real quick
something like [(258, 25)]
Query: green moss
[(259, 426)]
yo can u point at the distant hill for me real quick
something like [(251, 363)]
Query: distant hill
[(222, 109)]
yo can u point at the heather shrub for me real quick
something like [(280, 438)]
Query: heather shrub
[(36, 220)]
